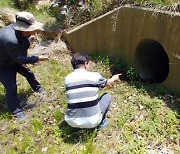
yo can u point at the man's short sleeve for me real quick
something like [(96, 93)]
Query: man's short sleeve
[(101, 81)]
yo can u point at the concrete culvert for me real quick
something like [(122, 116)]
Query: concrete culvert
[(151, 61)]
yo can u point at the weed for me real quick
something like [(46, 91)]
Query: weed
[(136, 115), (36, 125), (5, 115), (11, 151), (171, 123), (70, 2), (141, 113), (8, 3), (88, 138), (131, 74), (22, 143), (101, 58), (58, 115), (42, 14)]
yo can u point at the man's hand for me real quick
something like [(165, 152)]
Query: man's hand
[(115, 77), (112, 79), (43, 58)]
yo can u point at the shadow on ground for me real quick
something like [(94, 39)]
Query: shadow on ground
[(74, 135), (23, 96)]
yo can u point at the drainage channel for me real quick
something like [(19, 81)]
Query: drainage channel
[(151, 61)]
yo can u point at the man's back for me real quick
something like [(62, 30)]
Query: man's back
[(82, 93)]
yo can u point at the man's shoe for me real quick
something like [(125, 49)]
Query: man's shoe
[(20, 116), (103, 124), (41, 91)]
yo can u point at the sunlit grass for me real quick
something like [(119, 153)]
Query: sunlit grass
[(42, 14), (142, 116), (138, 119), (7, 3)]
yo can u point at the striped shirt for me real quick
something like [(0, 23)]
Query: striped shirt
[(82, 89)]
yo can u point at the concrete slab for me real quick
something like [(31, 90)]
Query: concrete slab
[(147, 39)]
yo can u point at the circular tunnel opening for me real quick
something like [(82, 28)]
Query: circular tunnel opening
[(151, 61)]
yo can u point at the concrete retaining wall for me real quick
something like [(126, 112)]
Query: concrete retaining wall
[(122, 33)]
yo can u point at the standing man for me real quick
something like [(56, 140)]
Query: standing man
[(85, 108), (14, 43)]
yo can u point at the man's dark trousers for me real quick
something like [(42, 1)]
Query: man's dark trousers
[(8, 79)]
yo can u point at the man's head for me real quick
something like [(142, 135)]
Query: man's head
[(25, 22), (80, 60)]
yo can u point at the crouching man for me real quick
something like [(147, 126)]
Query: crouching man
[(85, 108)]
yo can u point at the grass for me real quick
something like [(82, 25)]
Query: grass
[(139, 119), (77, 16), (143, 118), (7, 3), (42, 14)]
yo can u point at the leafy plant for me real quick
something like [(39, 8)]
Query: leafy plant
[(100, 58), (70, 2), (42, 14), (131, 74), (23, 143), (89, 146), (5, 115), (36, 125), (58, 115), (8, 3)]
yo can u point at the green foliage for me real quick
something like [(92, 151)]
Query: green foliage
[(101, 58), (162, 90), (23, 143), (152, 105), (136, 118), (151, 2), (36, 125), (116, 65), (58, 116), (123, 118), (119, 64), (11, 151), (8, 3), (131, 74), (42, 14), (70, 2), (140, 115), (171, 123), (96, 6), (89, 146), (5, 115)]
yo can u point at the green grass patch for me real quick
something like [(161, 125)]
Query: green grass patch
[(140, 120), (42, 14), (8, 3)]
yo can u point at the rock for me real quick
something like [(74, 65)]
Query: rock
[(22, 3), (82, 4), (7, 16), (49, 34), (1, 24), (41, 3), (37, 3), (60, 8), (55, 6)]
